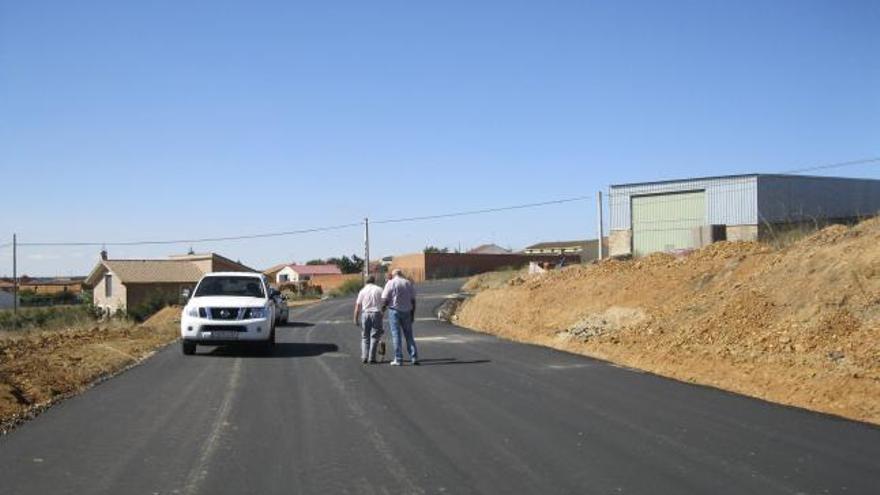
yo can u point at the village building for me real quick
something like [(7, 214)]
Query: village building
[(119, 284), (489, 249), (685, 214)]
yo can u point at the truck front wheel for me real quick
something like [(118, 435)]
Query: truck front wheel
[(189, 348), (269, 345)]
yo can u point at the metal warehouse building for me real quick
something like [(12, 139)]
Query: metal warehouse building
[(681, 214)]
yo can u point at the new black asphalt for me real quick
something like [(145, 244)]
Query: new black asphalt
[(481, 415)]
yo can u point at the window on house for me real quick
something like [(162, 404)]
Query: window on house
[(284, 278), (108, 285)]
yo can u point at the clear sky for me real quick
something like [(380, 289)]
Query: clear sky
[(168, 119)]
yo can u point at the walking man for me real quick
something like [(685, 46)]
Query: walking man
[(399, 296), (368, 315)]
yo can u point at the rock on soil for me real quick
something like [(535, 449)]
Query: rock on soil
[(446, 311), (605, 323)]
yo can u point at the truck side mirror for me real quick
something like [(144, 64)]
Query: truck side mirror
[(184, 294)]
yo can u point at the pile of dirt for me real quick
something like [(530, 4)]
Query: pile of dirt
[(798, 325), (37, 368), (491, 280)]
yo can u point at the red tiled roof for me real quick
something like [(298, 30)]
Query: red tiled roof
[(316, 269)]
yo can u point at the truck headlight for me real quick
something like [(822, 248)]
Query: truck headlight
[(192, 311), (253, 313)]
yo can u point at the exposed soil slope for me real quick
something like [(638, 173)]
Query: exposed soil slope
[(798, 325), (40, 367)]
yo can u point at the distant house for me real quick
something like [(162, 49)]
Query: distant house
[(587, 249), (51, 285), (489, 249), (557, 247), (293, 273), (430, 266), (118, 284)]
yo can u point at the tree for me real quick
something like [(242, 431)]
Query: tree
[(435, 249), (355, 264), (318, 261)]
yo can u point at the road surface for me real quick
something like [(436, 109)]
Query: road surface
[(481, 415)]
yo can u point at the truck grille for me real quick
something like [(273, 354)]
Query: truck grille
[(224, 328), (224, 313)]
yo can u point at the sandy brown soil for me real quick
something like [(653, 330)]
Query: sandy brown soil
[(38, 367), (298, 303), (491, 280), (798, 325)]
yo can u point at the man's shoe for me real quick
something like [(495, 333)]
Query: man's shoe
[(415, 362), (364, 360), (395, 363)]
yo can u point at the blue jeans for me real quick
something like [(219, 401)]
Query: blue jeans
[(401, 321), (371, 332)]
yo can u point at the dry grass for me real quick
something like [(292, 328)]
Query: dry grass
[(492, 280)]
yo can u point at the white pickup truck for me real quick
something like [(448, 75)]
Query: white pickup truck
[(229, 308)]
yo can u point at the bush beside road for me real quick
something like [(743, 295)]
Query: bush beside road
[(50, 317), (798, 325)]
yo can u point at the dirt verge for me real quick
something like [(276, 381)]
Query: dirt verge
[(798, 325), (38, 368)]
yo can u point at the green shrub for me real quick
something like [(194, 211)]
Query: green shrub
[(48, 317), (31, 298), (347, 288), (298, 291), (150, 305)]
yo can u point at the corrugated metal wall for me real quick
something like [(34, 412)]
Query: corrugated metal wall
[(790, 198), (728, 200)]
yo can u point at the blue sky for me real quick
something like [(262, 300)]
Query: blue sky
[(141, 120)]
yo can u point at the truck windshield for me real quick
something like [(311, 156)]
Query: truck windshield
[(230, 286)]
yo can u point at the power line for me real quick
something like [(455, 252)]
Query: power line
[(833, 165), (485, 210), (195, 241), (302, 231), (385, 221)]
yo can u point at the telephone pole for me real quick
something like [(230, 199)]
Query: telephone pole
[(15, 280), (599, 223), (366, 248)]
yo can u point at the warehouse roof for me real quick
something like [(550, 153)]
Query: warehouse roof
[(735, 176)]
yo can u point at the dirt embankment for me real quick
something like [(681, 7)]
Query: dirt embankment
[(798, 325), (38, 367)]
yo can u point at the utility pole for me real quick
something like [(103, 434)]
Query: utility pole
[(366, 248), (599, 224), (14, 280)]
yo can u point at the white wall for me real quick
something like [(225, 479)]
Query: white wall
[(292, 276)]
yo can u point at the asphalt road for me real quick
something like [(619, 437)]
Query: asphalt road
[(481, 415)]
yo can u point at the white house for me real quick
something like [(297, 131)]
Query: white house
[(301, 273)]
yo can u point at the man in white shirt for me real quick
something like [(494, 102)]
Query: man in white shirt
[(368, 315), (399, 296)]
